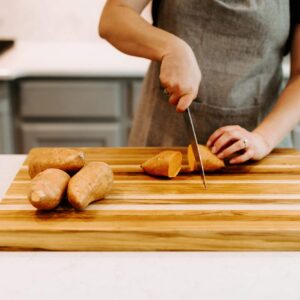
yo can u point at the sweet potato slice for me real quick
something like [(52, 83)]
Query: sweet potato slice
[(93, 182), (210, 161), (166, 163), (68, 160), (48, 188)]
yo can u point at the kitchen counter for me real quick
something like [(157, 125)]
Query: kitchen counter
[(74, 59), (175, 275), (10, 164), (69, 59)]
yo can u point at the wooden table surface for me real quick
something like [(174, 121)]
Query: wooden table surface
[(255, 206)]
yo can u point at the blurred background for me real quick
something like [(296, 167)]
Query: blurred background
[(56, 21), (60, 84)]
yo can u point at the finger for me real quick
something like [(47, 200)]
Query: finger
[(242, 158), (237, 146), (184, 102), (211, 140), (174, 99), (224, 139)]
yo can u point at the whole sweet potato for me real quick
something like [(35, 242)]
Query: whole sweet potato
[(66, 159)]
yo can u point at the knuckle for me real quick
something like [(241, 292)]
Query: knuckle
[(231, 134), (236, 134), (163, 79), (221, 130), (228, 129), (172, 84)]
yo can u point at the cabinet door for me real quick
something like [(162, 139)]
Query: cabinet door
[(296, 137), (136, 94), (6, 137), (70, 135), (70, 98)]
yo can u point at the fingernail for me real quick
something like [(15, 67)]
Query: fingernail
[(208, 144), (214, 150)]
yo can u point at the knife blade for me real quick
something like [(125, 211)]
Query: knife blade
[(194, 143)]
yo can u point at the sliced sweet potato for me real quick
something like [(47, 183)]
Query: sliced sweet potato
[(93, 182), (48, 188), (210, 161), (186, 169), (66, 159), (166, 163)]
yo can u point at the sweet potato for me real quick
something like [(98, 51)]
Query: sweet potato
[(68, 160), (48, 188), (166, 163), (93, 182), (210, 161)]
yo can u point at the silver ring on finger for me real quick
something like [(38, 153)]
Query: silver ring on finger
[(245, 143)]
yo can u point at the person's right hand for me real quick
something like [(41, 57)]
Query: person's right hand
[(180, 76)]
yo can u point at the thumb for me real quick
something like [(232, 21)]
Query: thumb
[(184, 102)]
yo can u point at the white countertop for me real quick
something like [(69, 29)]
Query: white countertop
[(69, 59), (74, 60), (10, 164), (143, 276)]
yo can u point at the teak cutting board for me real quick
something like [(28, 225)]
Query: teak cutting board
[(251, 207)]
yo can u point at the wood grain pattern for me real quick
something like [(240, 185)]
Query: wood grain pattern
[(255, 206)]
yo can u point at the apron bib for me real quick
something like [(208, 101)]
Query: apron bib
[(239, 46)]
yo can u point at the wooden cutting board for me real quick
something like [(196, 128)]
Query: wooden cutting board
[(251, 207)]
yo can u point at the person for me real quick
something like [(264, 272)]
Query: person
[(220, 58)]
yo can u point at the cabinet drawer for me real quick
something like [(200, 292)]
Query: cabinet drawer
[(136, 94), (2, 90), (70, 135), (6, 135), (70, 99), (296, 137)]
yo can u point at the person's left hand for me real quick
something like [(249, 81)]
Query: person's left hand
[(229, 140)]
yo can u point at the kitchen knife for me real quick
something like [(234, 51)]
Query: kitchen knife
[(194, 143)]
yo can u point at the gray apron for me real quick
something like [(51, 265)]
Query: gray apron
[(239, 47)]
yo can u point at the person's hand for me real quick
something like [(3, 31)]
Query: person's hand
[(180, 76), (229, 140)]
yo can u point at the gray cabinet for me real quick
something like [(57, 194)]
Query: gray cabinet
[(70, 135), (71, 99), (75, 112), (6, 133), (296, 137), (136, 92)]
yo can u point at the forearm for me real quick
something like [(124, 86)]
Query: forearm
[(284, 116), (124, 28)]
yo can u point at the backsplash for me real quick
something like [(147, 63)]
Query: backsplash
[(51, 20)]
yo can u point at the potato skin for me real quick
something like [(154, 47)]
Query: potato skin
[(48, 188), (66, 159), (93, 182), (210, 161)]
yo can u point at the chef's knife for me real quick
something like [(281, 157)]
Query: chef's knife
[(194, 143)]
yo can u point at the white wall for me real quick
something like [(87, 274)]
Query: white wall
[(50, 20)]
